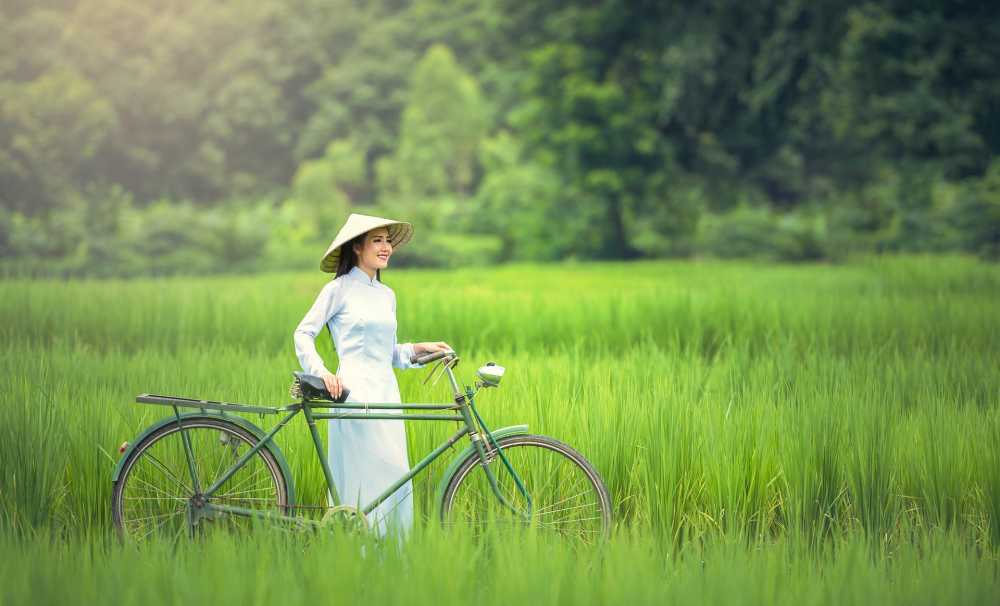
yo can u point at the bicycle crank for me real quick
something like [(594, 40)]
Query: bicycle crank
[(345, 518)]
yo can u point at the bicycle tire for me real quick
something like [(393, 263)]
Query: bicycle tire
[(258, 484), (590, 519)]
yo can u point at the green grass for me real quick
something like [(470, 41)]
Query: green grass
[(269, 568), (832, 428)]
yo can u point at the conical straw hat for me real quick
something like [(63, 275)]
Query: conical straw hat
[(399, 234)]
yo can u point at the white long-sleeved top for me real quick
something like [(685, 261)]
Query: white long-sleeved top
[(366, 456), (361, 314)]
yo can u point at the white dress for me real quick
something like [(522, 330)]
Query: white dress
[(366, 457)]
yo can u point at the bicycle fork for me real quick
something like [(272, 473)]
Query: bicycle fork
[(478, 430)]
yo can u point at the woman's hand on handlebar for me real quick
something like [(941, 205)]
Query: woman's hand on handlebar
[(334, 384), (427, 347)]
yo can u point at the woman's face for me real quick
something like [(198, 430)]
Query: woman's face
[(376, 249)]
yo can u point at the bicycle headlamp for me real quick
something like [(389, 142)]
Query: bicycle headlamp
[(490, 374)]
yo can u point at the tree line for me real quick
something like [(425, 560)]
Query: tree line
[(161, 136)]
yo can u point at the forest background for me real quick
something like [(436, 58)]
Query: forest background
[(161, 137)]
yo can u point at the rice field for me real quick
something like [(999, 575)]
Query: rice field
[(768, 433)]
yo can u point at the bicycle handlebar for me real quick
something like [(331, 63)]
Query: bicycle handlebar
[(434, 355)]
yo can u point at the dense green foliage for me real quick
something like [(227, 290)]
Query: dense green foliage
[(768, 433), (133, 136)]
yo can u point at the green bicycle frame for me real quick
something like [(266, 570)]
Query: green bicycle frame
[(462, 406)]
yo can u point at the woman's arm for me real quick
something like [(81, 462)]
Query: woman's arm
[(326, 305)]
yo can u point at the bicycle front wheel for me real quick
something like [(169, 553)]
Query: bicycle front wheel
[(568, 496), (154, 494)]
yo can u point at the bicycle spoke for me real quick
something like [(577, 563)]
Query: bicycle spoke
[(209, 480), (233, 495), (248, 491), (163, 468), (154, 499), (570, 521), (573, 508), (246, 479), (561, 501), (156, 488), (158, 515), (157, 526)]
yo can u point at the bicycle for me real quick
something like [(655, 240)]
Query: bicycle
[(213, 467)]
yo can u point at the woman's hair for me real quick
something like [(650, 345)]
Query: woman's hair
[(348, 258)]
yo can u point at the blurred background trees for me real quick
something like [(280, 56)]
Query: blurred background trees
[(157, 136)]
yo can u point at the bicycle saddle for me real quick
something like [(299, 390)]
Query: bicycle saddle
[(310, 387)]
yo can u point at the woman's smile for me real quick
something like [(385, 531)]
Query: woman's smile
[(381, 258), (374, 250)]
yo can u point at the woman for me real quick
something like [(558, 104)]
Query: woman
[(366, 457)]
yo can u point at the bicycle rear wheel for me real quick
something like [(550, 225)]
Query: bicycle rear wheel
[(568, 496), (154, 493)]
